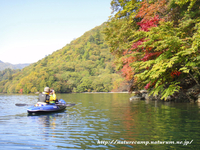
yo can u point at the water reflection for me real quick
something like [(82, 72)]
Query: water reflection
[(49, 124), (168, 122)]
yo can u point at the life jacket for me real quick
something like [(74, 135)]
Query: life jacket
[(52, 98), (44, 97)]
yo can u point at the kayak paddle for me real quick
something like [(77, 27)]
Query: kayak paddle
[(18, 104), (68, 105)]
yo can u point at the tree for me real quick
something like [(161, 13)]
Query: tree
[(85, 85), (155, 46)]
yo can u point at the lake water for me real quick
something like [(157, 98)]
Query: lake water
[(99, 121)]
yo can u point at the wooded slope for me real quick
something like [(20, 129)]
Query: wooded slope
[(84, 65)]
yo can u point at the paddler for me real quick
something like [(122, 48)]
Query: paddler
[(44, 96), (52, 97)]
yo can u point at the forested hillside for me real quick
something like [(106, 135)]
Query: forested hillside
[(7, 73), (156, 45), (84, 65)]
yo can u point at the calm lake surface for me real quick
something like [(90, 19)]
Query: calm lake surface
[(99, 121)]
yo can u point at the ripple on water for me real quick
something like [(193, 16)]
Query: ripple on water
[(96, 118)]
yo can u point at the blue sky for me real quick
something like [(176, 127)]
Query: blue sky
[(32, 29)]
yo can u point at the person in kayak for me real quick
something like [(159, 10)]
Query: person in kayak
[(44, 96), (53, 98)]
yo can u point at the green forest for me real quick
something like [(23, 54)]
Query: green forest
[(84, 65), (152, 45), (7, 73)]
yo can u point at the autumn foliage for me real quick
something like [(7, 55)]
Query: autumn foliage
[(155, 44), (127, 59), (147, 10), (175, 73)]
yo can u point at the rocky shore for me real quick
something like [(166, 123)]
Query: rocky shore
[(191, 95)]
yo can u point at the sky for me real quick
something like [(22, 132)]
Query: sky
[(32, 29)]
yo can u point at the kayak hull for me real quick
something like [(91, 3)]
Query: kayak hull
[(48, 107)]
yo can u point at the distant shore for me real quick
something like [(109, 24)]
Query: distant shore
[(105, 92)]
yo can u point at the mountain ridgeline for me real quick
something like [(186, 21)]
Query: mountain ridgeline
[(84, 65), (11, 66)]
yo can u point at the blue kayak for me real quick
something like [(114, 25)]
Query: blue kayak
[(42, 107)]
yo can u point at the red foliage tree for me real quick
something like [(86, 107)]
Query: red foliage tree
[(149, 54), (147, 10), (21, 91)]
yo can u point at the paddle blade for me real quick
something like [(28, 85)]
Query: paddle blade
[(18, 104)]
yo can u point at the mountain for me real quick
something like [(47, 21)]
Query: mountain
[(11, 66), (84, 65)]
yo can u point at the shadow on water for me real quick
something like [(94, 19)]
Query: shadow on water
[(46, 113)]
